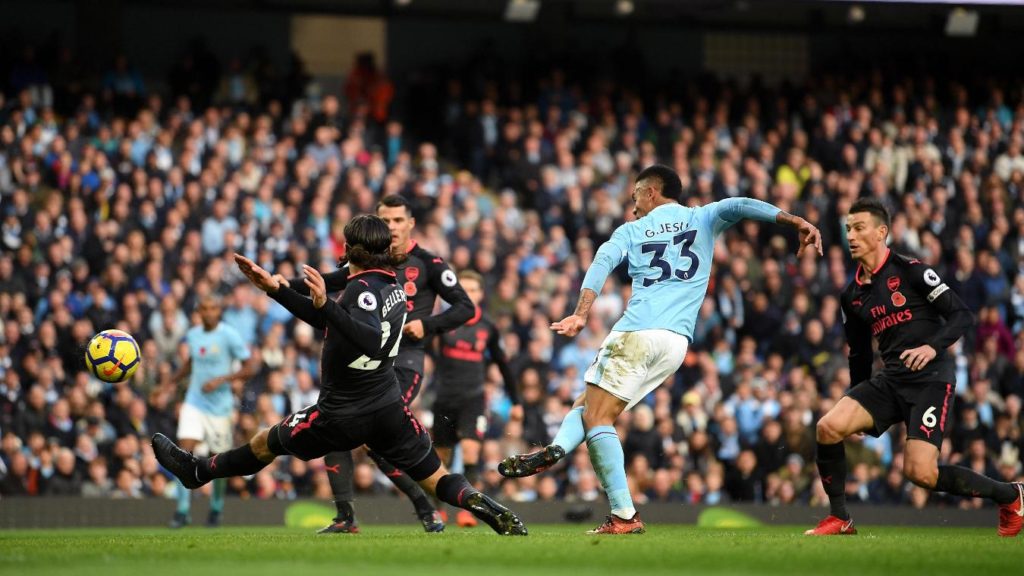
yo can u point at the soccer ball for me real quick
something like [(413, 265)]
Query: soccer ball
[(112, 356)]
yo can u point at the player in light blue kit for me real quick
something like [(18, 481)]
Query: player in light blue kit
[(204, 423), (669, 249)]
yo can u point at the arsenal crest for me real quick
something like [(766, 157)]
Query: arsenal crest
[(893, 283), (898, 299), (411, 274)]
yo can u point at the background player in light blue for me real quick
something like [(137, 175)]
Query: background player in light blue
[(204, 423), (669, 249)]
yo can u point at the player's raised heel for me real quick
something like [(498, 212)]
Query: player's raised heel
[(833, 526), (179, 462), (500, 519), (522, 465), (1011, 516)]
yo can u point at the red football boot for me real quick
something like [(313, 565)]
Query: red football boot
[(615, 525), (833, 526), (1011, 516)]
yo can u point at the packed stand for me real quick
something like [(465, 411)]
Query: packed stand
[(122, 203)]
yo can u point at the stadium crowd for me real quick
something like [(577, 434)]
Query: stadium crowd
[(121, 204)]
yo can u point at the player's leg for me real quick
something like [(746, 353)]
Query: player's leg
[(409, 382), (608, 458), (848, 416), (471, 430), (425, 509), (929, 419), (193, 471), (340, 472), (637, 363), (569, 437), (399, 438), (472, 426), (218, 438), (446, 435), (297, 435), (190, 434), (183, 495)]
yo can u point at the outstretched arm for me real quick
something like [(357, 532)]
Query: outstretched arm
[(732, 210)]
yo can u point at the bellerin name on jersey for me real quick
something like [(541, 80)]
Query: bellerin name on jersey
[(667, 228), (392, 299)]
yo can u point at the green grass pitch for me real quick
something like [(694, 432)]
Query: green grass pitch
[(561, 550)]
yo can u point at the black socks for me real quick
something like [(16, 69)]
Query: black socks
[(453, 489), (407, 485), (241, 461), (340, 468), (966, 482), (832, 470)]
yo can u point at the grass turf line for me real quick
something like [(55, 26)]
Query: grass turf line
[(561, 550)]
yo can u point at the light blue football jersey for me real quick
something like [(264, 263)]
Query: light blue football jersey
[(669, 252), (213, 354)]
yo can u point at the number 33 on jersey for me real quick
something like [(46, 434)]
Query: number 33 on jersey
[(669, 252)]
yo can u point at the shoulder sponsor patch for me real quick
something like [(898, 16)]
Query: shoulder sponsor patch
[(931, 278), (367, 301), (448, 278), (937, 292)]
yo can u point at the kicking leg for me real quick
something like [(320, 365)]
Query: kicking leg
[(193, 472), (570, 435)]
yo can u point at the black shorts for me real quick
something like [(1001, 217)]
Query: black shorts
[(926, 408), (392, 432), (454, 421), (409, 382)]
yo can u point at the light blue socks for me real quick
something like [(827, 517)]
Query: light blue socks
[(610, 464), (570, 434), (220, 487), (184, 499)]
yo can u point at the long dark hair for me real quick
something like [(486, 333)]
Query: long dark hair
[(369, 243)]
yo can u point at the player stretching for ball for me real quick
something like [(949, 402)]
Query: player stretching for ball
[(204, 423), (669, 249), (460, 410), (424, 277), (902, 303), (359, 401)]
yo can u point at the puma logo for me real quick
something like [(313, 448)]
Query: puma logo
[(927, 431), (827, 479), (334, 468)]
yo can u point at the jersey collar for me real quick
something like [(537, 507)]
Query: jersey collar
[(856, 275), (412, 246), (373, 270)]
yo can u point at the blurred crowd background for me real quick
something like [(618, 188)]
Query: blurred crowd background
[(121, 204)]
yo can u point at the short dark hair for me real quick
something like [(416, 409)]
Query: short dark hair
[(671, 185), (394, 201), (872, 206), (369, 243)]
